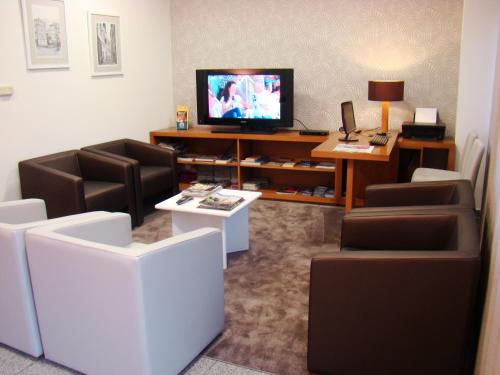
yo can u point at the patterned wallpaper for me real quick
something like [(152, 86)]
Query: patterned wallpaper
[(335, 48)]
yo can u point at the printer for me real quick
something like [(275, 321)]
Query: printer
[(423, 131)]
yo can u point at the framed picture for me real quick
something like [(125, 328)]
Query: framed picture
[(45, 34), (105, 49)]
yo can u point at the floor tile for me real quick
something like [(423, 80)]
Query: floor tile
[(43, 367), (13, 362), (223, 368), (201, 366)]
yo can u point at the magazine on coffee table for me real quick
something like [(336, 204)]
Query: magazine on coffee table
[(200, 190), (219, 201)]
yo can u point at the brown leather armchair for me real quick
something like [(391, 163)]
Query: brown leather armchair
[(431, 194), (154, 168), (76, 181), (398, 298)]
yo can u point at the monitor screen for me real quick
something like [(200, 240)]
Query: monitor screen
[(245, 96), (348, 121)]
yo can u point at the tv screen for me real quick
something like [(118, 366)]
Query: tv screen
[(250, 97)]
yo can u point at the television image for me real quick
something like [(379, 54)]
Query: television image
[(255, 100)]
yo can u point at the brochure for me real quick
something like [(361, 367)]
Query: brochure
[(363, 149)]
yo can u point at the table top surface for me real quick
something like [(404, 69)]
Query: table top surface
[(379, 153), (192, 206)]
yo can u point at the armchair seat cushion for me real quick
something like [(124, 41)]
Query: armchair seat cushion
[(102, 195), (154, 179), (429, 174)]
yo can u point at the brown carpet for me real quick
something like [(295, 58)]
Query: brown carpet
[(267, 287)]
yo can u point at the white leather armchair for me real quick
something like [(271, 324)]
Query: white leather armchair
[(469, 165), (18, 321), (107, 305)]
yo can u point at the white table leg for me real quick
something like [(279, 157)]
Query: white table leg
[(234, 229)]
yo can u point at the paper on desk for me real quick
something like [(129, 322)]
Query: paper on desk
[(362, 149), (426, 115)]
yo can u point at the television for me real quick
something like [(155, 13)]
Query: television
[(249, 100)]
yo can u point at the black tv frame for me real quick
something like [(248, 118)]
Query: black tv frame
[(246, 125)]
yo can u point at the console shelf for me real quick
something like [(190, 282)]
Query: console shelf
[(283, 144)]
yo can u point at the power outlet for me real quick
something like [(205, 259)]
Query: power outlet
[(6, 90)]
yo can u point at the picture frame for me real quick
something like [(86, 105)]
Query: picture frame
[(105, 44), (44, 23)]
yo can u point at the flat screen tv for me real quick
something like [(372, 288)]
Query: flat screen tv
[(249, 100)]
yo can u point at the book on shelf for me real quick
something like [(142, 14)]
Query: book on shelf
[(280, 162), (255, 184), (186, 157), (219, 201), (319, 191), (362, 149), (306, 163), (306, 191), (253, 157), (206, 158), (289, 164), (201, 190), (329, 193), (325, 165), (287, 190), (224, 159)]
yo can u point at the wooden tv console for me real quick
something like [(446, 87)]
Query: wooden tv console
[(283, 144)]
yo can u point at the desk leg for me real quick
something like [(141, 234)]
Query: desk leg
[(349, 194), (451, 159)]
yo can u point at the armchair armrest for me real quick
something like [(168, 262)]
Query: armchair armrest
[(101, 168), (399, 232), (410, 194), (109, 228), (54, 187), (22, 211), (183, 293), (148, 154)]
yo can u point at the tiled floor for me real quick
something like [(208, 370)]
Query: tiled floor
[(14, 363)]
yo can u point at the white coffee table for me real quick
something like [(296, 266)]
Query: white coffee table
[(233, 224)]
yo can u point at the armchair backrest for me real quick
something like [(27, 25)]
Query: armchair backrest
[(466, 151), (470, 167), (141, 309), (117, 147), (390, 231), (64, 161)]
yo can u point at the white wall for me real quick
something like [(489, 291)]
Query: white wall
[(476, 74), (334, 46), (57, 110)]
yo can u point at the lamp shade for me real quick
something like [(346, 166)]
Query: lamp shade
[(386, 91)]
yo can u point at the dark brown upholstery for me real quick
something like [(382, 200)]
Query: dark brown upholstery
[(398, 298), (75, 181), (452, 194), (154, 168)]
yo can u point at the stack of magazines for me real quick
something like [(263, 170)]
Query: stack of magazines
[(220, 201), (201, 190)]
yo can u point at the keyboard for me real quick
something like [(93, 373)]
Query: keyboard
[(379, 140)]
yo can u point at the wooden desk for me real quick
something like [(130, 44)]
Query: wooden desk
[(379, 153), (446, 144)]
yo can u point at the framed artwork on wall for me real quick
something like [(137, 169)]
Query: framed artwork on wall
[(105, 47), (44, 24)]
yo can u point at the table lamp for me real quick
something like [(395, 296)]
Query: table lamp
[(385, 92)]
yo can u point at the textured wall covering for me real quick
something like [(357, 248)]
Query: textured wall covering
[(335, 47)]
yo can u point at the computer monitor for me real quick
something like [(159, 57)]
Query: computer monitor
[(348, 122)]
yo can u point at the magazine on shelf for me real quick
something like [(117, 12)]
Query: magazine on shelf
[(219, 201), (201, 190), (325, 165)]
